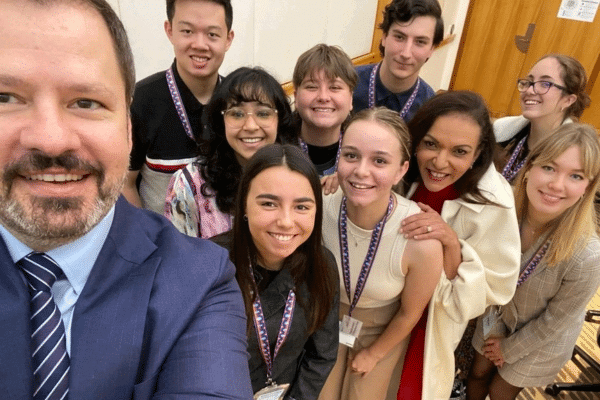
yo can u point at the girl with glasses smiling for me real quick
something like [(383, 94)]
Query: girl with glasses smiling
[(247, 111), (553, 93)]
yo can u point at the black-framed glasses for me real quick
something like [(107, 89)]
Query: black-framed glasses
[(539, 87), (236, 117)]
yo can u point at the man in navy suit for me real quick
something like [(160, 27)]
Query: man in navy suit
[(146, 312)]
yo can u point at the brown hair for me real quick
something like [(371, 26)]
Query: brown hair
[(308, 263), (404, 11), (332, 60), (575, 80), (470, 105), (571, 230)]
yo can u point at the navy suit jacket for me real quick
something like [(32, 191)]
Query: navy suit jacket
[(161, 316)]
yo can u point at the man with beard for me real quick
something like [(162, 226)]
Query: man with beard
[(98, 299)]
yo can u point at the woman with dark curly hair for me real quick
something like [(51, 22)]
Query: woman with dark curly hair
[(247, 111)]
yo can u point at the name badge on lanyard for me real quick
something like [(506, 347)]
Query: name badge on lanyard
[(350, 327), (272, 391)]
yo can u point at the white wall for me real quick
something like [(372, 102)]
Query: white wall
[(438, 70), (273, 33), (268, 33)]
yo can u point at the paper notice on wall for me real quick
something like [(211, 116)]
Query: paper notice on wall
[(578, 10)]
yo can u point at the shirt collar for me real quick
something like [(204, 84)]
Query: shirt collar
[(76, 259), (385, 92), (190, 101)]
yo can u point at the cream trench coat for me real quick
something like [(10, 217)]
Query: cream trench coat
[(487, 275)]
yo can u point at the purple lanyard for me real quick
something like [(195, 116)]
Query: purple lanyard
[(532, 264), (512, 168), (304, 148), (370, 257), (261, 329), (408, 103), (179, 103)]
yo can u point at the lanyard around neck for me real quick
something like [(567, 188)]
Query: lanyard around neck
[(369, 258), (261, 328), (176, 96), (409, 102)]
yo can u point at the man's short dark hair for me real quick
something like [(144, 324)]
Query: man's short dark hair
[(117, 34), (225, 3), (404, 11)]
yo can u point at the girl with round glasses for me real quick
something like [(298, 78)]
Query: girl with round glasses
[(553, 93), (526, 342), (248, 110)]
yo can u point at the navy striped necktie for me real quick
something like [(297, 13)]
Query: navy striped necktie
[(48, 341)]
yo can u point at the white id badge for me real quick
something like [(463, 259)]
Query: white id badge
[(349, 330), (489, 321), (272, 392)]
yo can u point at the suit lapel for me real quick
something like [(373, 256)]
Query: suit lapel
[(110, 315), (16, 371)]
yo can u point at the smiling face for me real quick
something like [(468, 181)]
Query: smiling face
[(254, 133), (551, 105), (323, 103), (200, 38), (448, 150), (370, 164), (407, 47), (64, 124), (281, 210), (555, 186)]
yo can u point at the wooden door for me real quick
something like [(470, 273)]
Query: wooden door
[(489, 61)]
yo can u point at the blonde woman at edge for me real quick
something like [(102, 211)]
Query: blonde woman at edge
[(532, 337)]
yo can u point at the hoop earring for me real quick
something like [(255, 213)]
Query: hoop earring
[(245, 217)]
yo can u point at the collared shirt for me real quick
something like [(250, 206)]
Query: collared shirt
[(384, 97), (158, 133), (76, 260)]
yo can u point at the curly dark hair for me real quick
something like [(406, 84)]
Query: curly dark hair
[(218, 163), (403, 11)]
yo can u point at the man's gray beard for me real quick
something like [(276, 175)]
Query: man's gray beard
[(37, 228)]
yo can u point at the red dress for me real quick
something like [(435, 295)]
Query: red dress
[(411, 381)]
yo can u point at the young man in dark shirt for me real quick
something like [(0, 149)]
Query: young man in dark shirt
[(167, 106), (411, 31)]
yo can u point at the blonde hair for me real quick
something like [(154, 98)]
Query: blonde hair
[(571, 230), (389, 119)]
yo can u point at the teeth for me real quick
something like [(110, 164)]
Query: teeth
[(251, 140), (437, 174), (199, 59), (360, 186), (323, 109), (531, 102), (283, 238), (56, 178)]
